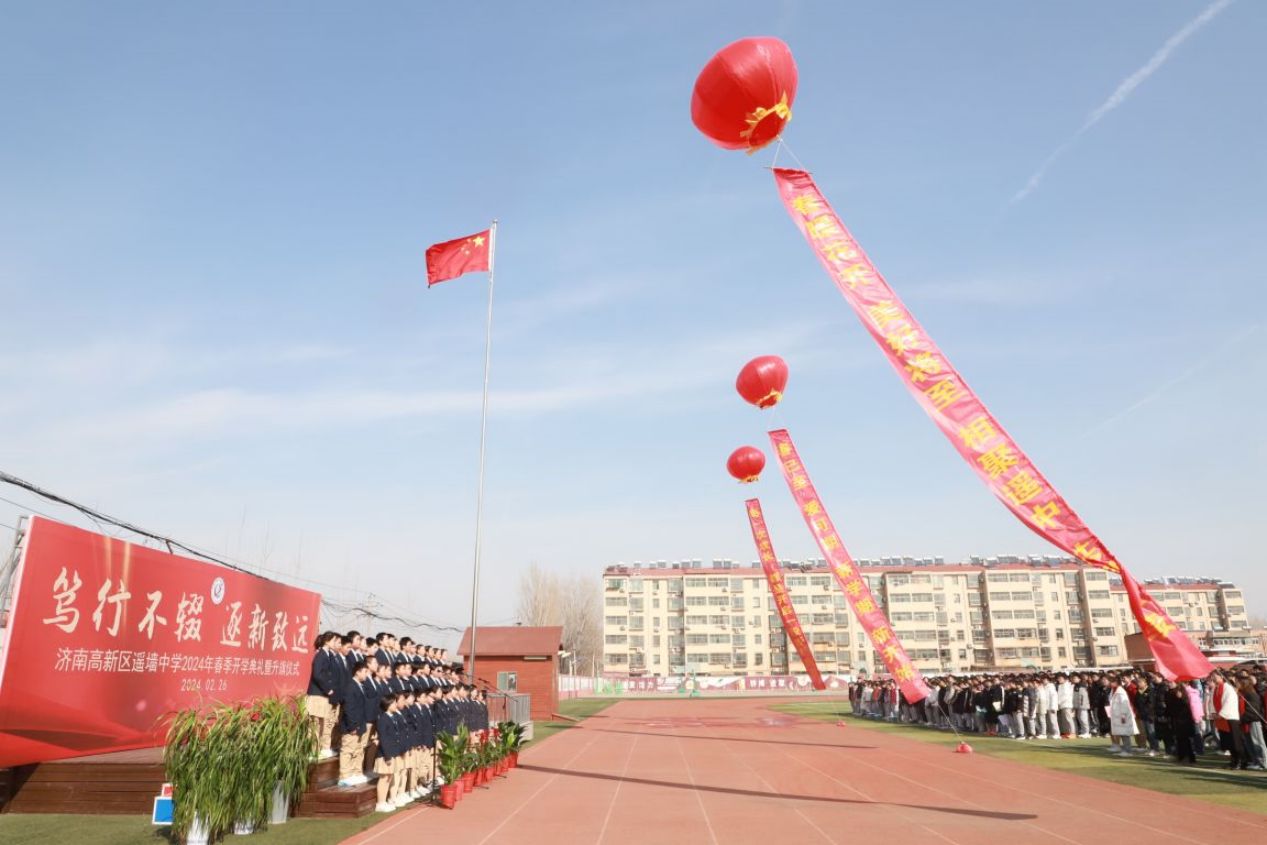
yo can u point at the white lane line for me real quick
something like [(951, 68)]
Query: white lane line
[(712, 834), (774, 791), (533, 796), (1008, 786), (881, 804), (612, 806)]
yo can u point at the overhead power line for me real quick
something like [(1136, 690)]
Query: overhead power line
[(358, 608)]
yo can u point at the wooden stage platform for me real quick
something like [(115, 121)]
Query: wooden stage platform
[(126, 782)]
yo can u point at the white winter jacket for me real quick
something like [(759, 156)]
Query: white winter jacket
[(1064, 695), (1230, 705)]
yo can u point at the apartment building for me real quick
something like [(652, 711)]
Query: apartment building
[(718, 619)]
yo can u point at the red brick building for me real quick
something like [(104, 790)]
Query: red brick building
[(519, 659)]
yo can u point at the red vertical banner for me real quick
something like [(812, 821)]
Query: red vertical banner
[(963, 418), (778, 589), (843, 569)]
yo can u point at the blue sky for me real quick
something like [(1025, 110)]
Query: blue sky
[(214, 216)]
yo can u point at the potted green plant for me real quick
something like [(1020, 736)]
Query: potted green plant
[(196, 746), (512, 734), (487, 759), (288, 744), (495, 756), (449, 759), (462, 742), (233, 763)]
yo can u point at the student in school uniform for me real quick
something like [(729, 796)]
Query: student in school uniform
[(445, 720), (401, 676), (430, 678), (418, 771), (389, 751), (384, 653), (427, 734), (352, 721), (372, 696), (409, 740), (412, 681), (384, 762), (323, 692), (343, 669), (356, 653), (481, 712), (382, 690)]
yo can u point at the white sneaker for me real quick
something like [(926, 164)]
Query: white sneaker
[(424, 791), (360, 779), (439, 780), (327, 753), (1152, 753), (385, 807), (401, 801), (347, 781)]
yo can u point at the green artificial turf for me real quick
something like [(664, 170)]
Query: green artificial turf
[(1209, 780), (577, 708), (43, 829)]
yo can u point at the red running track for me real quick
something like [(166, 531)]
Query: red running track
[(733, 772)]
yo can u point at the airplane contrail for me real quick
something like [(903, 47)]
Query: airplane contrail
[(1124, 89)]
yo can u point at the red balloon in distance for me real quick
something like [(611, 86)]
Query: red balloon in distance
[(762, 381), (743, 96), (746, 463)]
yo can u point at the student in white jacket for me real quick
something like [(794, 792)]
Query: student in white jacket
[(1049, 709), (1227, 706), (1121, 718), (1064, 702)]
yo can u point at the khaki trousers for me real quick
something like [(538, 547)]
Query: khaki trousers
[(351, 756)]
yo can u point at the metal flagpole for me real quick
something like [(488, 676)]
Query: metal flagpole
[(479, 497)]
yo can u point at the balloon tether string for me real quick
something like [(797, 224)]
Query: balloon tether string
[(782, 145)]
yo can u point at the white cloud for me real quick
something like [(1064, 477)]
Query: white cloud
[(1124, 89), (990, 291), (592, 376)]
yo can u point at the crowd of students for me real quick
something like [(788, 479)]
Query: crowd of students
[(1138, 711), (384, 702)]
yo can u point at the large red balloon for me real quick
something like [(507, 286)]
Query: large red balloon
[(762, 381), (744, 95), (746, 463)]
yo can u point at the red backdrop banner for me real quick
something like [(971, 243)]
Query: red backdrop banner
[(964, 419), (869, 614), (782, 598), (104, 638)]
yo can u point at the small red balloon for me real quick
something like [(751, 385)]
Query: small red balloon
[(743, 96), (762, 381), (746, 463)]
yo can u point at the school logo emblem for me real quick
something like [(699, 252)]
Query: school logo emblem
[(217, 590)]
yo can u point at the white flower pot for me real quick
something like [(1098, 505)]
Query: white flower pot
[(281, 806), (198, 833), (243, 828)]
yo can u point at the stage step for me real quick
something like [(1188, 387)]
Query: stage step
[(126, 782)]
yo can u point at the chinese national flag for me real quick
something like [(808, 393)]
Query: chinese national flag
[(454, 258)]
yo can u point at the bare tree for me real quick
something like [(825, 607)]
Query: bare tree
[(575, 603), (583, 622), (540, 597)]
